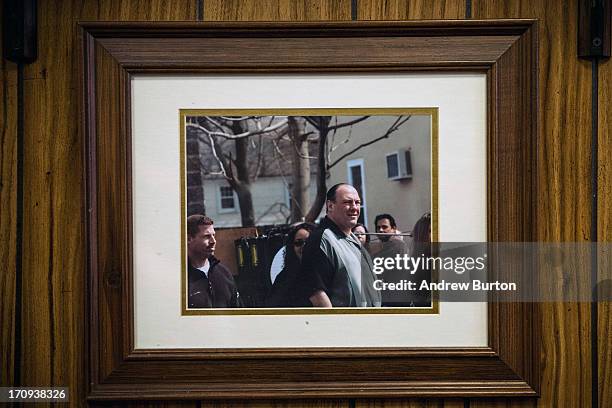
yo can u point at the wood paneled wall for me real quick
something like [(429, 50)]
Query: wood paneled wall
[(8, 216), (53, 245), (604, 228), (564, 166)]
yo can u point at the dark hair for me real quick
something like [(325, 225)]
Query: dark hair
[(364, 228), (291, 259), (194, 222), (331, 193), (383, 217), (421, 235)]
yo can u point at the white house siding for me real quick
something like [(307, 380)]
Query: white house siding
[(270, 202)]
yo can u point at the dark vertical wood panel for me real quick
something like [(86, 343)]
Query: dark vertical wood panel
[(564, 187), (8, 210), (277, 10), (54, 213), (410, 9), (604, 233)]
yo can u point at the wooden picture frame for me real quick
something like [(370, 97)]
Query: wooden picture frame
[(505, 50)]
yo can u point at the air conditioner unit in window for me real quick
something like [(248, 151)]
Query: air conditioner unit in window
[(399, 165)]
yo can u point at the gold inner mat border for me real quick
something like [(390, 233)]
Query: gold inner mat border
[(184, 113)]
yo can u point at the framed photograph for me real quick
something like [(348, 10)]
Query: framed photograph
[(212, 146), (275, 190)]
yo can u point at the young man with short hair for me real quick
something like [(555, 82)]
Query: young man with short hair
[(210, 283)]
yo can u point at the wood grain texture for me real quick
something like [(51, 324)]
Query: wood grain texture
[(147, 404), (228, 404), (277, 404), (411, 403), (276, 10), (413, 10), (564, 174), (604, 203), (140, 10), (502, 403), (410, 9), (238, 54), (605, 354), (53, 241), (604, 233), (563, 88), (565, 100), (111, 176), (8, 210)]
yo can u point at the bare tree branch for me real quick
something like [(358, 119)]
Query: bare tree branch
[(319, 201), (303, 137), (303, 156), (216, 124), (278, 150), (311, 121), (259, 158), (233, 136), (237, 118), (395, 126), (281, 207), (332, 141), (335, 147), (280, 171), (271, 120), (350, 123), (213, 149)]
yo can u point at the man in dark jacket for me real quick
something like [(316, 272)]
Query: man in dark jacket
[(391, 246), (210, 283)]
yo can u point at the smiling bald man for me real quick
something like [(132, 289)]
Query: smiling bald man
[(336, 270)]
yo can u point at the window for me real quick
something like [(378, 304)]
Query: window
[(392, 166), (399, 165), (227, 199)]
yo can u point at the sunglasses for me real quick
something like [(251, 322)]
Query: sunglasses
[(299, 242)]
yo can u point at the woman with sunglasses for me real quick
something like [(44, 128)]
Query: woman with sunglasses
[(283, 292)]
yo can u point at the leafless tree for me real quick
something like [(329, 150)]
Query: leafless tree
[(235, 163), (232, 139), (325, 128)]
